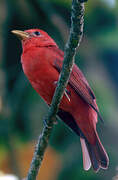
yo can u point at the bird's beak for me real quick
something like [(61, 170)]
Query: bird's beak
[(22, 35)]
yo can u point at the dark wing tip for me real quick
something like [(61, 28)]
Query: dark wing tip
[(98, 113), (100, 117)]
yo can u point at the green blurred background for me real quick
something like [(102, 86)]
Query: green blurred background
[(21, 108)]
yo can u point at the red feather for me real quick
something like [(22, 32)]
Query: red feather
[(42, 62)]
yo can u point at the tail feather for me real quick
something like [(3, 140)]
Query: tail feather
[(101, 154), (86, 158), (97, 154)]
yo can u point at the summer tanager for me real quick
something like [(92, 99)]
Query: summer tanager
[(42, 63)]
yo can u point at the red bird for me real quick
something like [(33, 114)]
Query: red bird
[(42, 62)]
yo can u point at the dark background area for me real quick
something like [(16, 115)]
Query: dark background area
[(21, 108)]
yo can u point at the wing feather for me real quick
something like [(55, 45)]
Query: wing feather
[(79, 83)]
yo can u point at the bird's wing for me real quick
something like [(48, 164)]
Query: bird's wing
[(79, 83)]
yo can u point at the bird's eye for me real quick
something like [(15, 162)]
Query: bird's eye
[(37, 33)]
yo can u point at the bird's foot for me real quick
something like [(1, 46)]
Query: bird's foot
[(66, 92), (46, 124)]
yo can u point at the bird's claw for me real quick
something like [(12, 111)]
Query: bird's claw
[(46, 124), (66, 92), (55, 82)]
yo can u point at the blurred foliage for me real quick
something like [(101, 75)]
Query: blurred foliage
[(21, 108)]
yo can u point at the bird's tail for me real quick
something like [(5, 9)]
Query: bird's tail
[(94, 155)]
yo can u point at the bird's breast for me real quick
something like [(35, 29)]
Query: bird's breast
[(41, 75)]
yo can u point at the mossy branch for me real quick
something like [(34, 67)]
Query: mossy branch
[(76, 32)]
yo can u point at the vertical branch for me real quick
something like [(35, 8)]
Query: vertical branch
[(76, 32)]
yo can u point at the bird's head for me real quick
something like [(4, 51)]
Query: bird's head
[(34, 38)]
